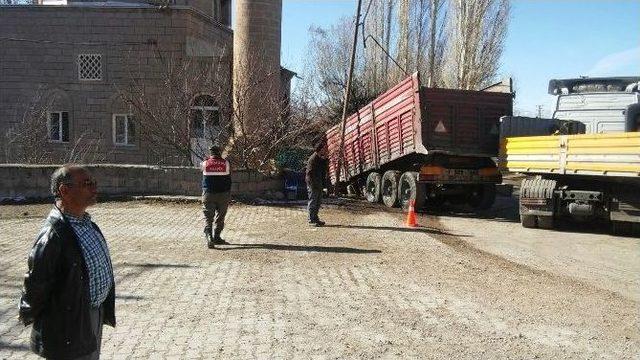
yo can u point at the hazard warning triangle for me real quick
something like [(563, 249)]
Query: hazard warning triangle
[(440, 127)]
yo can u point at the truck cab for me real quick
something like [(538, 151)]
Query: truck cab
[(604, 105), (590, 175)]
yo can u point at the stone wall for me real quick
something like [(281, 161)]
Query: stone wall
[(41, 59), (30, 182)]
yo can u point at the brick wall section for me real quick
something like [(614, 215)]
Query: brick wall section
[(33, 181), (64, 32)]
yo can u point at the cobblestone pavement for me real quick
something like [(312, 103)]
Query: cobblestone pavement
[(361, 288)]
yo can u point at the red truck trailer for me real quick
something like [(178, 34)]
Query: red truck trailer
[(425, 144)]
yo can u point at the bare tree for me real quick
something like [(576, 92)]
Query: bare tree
[(193, 104), (282, 122), (183, 110), (86, 149), (454, 43), (395, 42), (477, 31), (28, 140), (327, 70), (436, 43)]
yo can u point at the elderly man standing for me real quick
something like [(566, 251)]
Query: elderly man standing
[(69, 290), (216, 194)]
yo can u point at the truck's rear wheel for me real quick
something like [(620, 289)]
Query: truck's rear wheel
[(410, 189), (372, 189), (528, 221), (483, 197), (390, 188)]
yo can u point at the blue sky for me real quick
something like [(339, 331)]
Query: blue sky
[(547, 39)]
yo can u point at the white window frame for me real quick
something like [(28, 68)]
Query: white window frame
[(126, 129), (202, 109), (80, 67), (60, 127)]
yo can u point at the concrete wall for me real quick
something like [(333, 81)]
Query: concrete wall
[(33, 181), (42, 58)]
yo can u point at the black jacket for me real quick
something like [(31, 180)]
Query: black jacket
[(316, 172), (55, 296)]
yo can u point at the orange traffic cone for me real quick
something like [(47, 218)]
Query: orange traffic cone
[(411, 215)]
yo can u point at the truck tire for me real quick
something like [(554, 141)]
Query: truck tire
[(545, 222), (528, 221), (389, 188), (410, 189), (483, 197), (372, 188)]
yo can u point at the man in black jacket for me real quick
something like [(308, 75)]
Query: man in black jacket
[(69, 290), (315, 176)]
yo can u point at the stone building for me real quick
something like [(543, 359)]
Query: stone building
[(74, 57)]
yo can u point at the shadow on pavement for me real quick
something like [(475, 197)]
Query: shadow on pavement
[(8, 346), (129, 297), (328, 249), (421, 229), (141, 268), (505, 209), (153, 266)]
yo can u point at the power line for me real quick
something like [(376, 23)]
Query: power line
[(385, 52), (367, 36), (364, 18)]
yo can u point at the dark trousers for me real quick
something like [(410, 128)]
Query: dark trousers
[(214, 207), (315, 200)]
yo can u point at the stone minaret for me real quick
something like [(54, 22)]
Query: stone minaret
[(256, 59)]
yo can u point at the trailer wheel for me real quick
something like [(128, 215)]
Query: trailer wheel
[(390, 188), (528, 221), (545, 222), (410, 189), (483, 197), (372, 188)]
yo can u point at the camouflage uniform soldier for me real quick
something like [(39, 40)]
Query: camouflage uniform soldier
[(216, 193)]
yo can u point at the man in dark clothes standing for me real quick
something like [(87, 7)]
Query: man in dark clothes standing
[(216, 194), (315, 176), (69, 290)]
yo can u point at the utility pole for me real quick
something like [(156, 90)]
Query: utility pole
[(347, 92), (539, 110)]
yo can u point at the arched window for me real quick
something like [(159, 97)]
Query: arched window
[(204, 114)]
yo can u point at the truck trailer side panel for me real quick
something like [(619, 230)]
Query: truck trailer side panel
[(612, 155), (380, 132), (409, 122)]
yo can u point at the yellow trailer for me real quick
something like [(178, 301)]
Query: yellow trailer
[(587, 177), (616, 154)]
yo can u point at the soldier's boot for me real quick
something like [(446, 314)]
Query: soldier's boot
[(209, 237), (217, 239)]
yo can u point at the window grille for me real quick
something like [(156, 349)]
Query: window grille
[(90, 67)]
